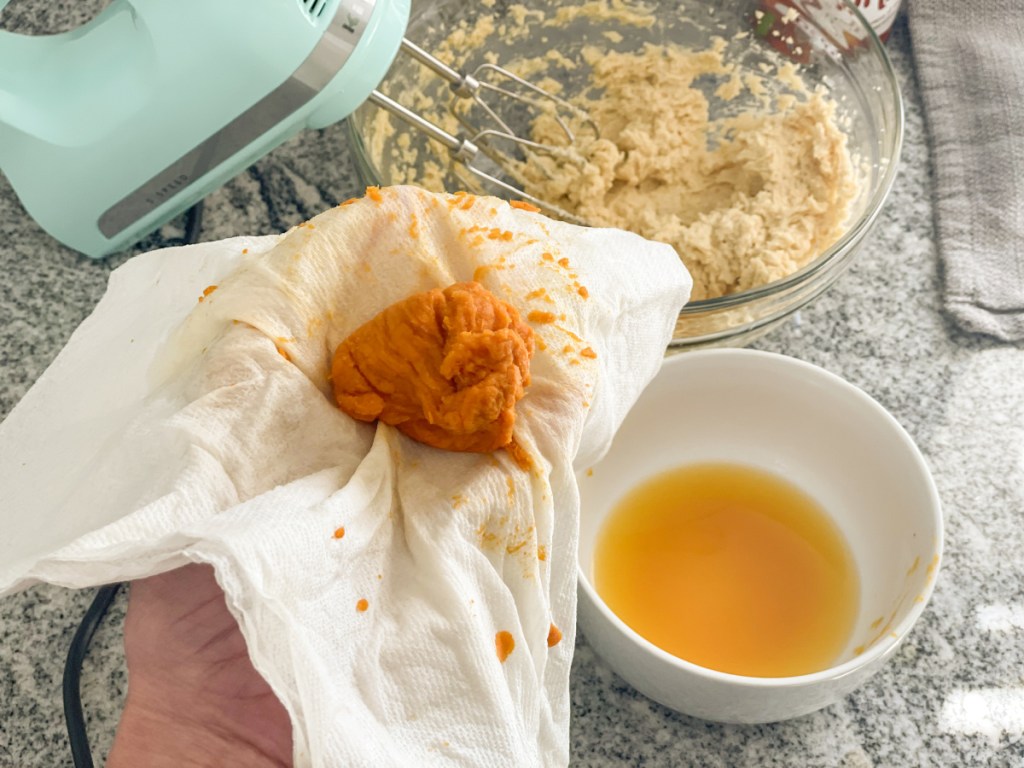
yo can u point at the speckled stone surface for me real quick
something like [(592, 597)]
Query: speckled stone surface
[(953, 695)]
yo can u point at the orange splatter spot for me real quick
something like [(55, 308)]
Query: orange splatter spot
[(482, 270), (538, 316), (313, 323), (207, 291), (522, 459), (458, 500), (504, 644), (877, 622), (590, 472), (563, 262), (582, 291), (374, 194), (362, 605), (468, 203), (574, 361), (498, 234), (547, 256), (487, 538), (536, 294), (567, 349), (932, 565), (339, 532), (245, 251), (414, 227), (917, 562), (281, 351), (524, 206), (513, 548), (541, 344), (588, 352), (858, 650), (542, 552), (554, 636), (569, 333), (348, 202)]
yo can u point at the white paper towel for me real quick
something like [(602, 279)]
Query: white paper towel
[(143, 448)]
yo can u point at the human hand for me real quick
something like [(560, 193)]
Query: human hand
[(194, 699)]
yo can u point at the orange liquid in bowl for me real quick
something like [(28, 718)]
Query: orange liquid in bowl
[(731, 568)]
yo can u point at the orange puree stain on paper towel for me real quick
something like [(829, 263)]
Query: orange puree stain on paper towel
[(554, 636), (524, 206), (504, 644), (519, 455)]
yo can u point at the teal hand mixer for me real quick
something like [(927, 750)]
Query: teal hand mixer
[(100, 155)]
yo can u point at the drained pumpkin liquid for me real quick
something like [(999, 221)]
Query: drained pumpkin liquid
[(731, 568)]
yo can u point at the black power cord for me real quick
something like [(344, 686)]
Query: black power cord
[(193, 223), (74, 717)]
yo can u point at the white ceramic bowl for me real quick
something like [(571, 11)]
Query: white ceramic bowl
[(822, 434)]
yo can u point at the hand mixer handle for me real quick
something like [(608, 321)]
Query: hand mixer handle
[(43, 79)]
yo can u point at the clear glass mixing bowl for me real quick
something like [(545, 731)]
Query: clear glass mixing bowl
[(838, 51)]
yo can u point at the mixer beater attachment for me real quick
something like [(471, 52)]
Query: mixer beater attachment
[(466, 150)]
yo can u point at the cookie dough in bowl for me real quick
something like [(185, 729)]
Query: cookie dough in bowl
[(758, 139)]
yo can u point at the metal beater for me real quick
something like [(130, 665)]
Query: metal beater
[(466, 149)]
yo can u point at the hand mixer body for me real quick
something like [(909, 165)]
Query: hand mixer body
[(110, 130)]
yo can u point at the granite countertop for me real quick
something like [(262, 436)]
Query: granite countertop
[(953, 695)]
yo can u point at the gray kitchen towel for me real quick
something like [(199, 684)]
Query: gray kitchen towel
[(969, 56)]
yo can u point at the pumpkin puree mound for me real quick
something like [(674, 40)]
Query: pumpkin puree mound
[(444, 367)]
